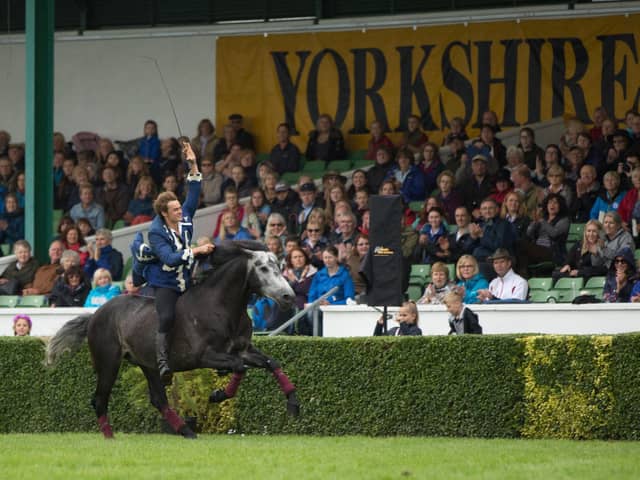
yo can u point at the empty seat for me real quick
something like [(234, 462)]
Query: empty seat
[(33, 301), (575, 232), (595, 282), (339, 165), (9, 301), (540, 283), (543, 296)]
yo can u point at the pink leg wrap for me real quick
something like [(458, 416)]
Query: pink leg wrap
[(285, 384), (105, 428), (232, 386), (172, 418)]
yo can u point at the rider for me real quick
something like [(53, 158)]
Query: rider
[(170, 238)]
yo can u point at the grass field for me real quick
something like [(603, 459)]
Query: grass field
[(88, 456)]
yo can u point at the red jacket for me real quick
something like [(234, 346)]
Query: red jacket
[(626, 205)]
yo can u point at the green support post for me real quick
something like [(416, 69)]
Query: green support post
[(39, 128)]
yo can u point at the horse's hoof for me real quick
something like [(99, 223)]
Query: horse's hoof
[(217, 396), (293, 406), (186, 432)]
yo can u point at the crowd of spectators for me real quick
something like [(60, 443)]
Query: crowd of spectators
[(494, 211)]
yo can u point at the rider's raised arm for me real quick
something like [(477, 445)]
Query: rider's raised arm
[(194, 179), (162, 247)]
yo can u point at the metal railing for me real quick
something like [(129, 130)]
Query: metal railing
[(312, 306)]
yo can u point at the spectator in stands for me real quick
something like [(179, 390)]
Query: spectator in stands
[(616, 238), (103, 291), (19, 274), (592, 155), (432, 236), (307, 193), (507, 286), (149, 144), (448, 196), (533, 154), (256, 213), (285, 156), (635, 131), (242, 137), (492, 233), (140, 208), (414, 138), (299, 272), (631, 198), (599, 116), (232, 205), (489, 146), (135, 171), (407, 318), (21, 325), (276, 227), (515, 212), (11, 221), (515, 158), (230, 229), (314, 242), (587, 188), (555, 179), (353, 257), (224, 144), (546, 239), (459, 242), (478, 187), (72, 239), (574, 163), (46, 275), (326, 142), (85, 227), (19, 189), (88, 208), (620, 278), (409, 178), (205, 140), (172, 184), (358, 182), (609, 198), (68, 259), (113, 196), (431, 166), (570, 138), (103, 255), (71, 289), (382, 170), (130, 288), (169, 161), (470, 280), (16, 156), (115, 160), (333, 195), (503, 185), (346, 238), (439, 286), (7, 175), (361, 201), (533, 195), (457, 130), (378, 139), (580, 259), (462, 321), (458, 159), (625, 170), (285, 204), (211, 189), (239, 181), (552, 156)]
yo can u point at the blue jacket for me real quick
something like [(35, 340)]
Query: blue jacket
[(101, 295), (322, 283), (15, 228), (604, 203), (110, 258), (241, 234), (471, 287), (413, 187), (149, 147), (174, 265)]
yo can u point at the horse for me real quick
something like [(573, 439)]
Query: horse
[(211, 330)]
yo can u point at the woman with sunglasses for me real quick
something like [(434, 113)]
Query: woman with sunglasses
[(620, 278)]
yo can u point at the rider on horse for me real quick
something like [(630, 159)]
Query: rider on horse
[(169, 259)]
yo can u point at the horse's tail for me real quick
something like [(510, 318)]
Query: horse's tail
[(69, 338)]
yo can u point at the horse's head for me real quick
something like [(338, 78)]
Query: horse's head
[(267, 280)]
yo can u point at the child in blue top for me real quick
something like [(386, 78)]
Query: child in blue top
[(103, 289)]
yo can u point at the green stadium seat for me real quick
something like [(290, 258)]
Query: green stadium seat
[(261, 157), (313, 166), (6, 249), (414, 292), (290, 178), (356, 155), (540, 283), (9, 301), (416, 206), (596, 292), (576, 231), (568, 288), (339, 165), (358, 164), (452, 271), (595, 282), (543, 296), (118, 225), (33, 301), (419, 274), (56, 215)]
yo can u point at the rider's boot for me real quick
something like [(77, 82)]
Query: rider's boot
[(162, 355)]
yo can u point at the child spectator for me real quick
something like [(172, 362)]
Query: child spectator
[(130, 288), (149, 145), (85, 227), (21, 325), (103, 291), (140, 209), (461, 320), (407, 319)]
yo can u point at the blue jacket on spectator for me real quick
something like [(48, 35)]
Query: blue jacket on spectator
[(15, 227), (604, 203), (471, 287), (98, 296), (497, 233), (141, 206), (241, 234), (413, 184), (149, 147), (322, 283), (110, 258), (173, 267)]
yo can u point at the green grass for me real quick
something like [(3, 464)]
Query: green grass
[(88, 456)]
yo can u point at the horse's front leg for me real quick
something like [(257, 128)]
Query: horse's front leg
[(255, 358), (228, 362)]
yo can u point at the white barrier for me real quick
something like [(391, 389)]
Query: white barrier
[(360, 320), (45, 321)]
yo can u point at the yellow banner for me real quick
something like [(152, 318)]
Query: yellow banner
[(525, 71)]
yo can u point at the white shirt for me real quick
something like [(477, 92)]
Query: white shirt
[(511, 286)]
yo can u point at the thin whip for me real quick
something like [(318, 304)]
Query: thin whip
[(164, 84)]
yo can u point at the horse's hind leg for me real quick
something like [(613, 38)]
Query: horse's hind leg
[(106, 360), (255, 358), (158, 397)]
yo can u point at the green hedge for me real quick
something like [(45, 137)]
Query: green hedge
[(488, 386)]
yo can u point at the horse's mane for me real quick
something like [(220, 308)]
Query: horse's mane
[(225, 253)]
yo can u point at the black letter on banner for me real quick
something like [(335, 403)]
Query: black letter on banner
[(559, 82), (609, 77), (361, 92), (509, 79), (410, 86), (344, 90), (288, 87), (535, 79), (456, 82)]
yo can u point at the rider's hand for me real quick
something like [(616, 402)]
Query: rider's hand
[(205, 249), (189, 155)]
